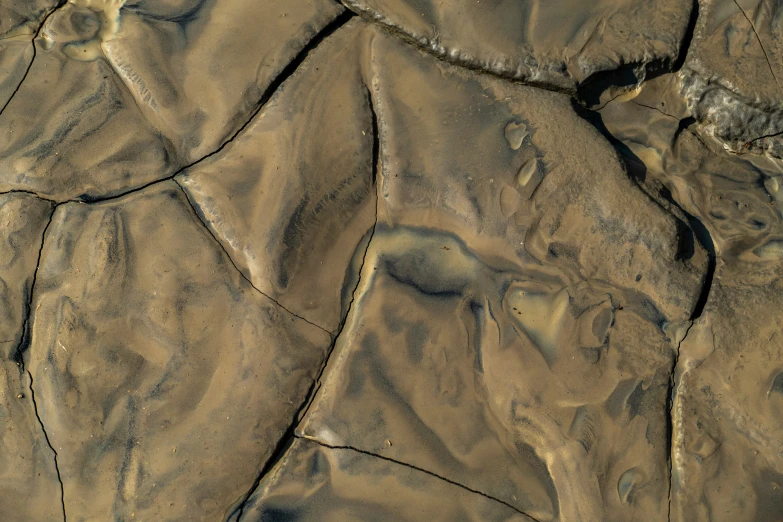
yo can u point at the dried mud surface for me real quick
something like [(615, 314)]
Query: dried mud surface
[(393, 260)]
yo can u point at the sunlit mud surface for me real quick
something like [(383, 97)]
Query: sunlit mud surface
[(393, 260)]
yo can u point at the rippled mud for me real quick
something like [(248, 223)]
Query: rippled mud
[(393, 260)]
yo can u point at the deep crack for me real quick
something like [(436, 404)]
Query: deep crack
[(290, 433), (687, 38), (422, 470), (18, 357)]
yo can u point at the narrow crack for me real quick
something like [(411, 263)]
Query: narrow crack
[(287, 71), (277, 453), (670, 427), (655, 109), (18, 357), (29, 193), (684, 125), (203, 221), (49, 443), (15, 36), (608, 102), (766, 56), (290, 433), (704, 237), (35, 52), (421, 470)]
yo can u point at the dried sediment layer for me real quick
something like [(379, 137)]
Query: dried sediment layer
[(155, 361), (275, 261)]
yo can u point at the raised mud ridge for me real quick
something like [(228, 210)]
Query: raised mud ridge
[(395, 260)]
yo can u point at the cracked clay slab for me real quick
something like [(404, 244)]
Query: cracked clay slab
[(394, 260), (488, 334), (292, 198), (121, 94), (559, 44), (155, 356), (726, 408), (317, 483)]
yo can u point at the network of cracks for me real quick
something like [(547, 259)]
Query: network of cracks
[(391, 260)]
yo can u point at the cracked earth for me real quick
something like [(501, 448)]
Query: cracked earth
[(395, 260)]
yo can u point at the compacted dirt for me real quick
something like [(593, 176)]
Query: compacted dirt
[(391, 260)]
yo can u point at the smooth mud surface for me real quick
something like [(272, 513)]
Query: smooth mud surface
[(393, 260)]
